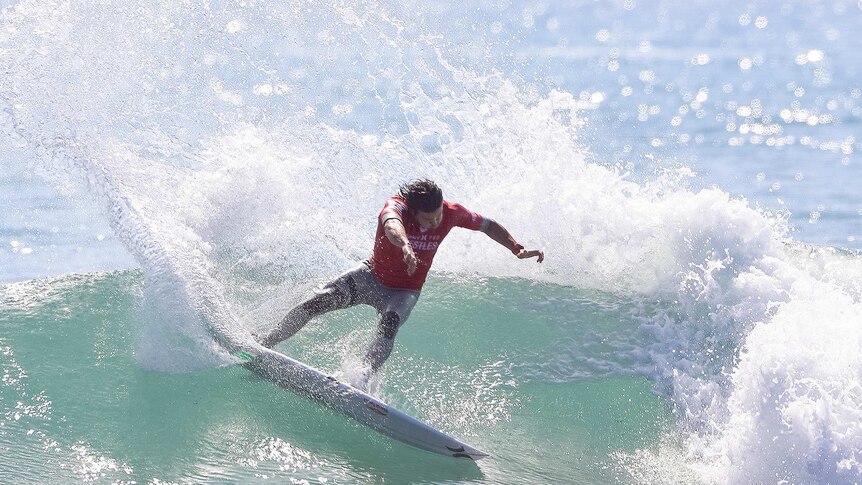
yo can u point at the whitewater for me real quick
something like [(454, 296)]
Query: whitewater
[(179, 175)]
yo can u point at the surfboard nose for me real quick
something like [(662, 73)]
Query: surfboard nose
[(478, 455), (467, 452)]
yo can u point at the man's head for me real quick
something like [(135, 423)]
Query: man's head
[(425, 201)]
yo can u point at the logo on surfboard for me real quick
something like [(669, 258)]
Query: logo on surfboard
[(377, 408)]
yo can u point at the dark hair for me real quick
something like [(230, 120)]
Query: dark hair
[(421, 195)]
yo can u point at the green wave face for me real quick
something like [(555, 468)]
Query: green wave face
[(473, 360)]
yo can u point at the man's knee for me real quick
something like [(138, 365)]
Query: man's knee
[(389, 323), (331, 297)]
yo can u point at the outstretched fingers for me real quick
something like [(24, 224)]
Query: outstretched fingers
[(533, 253)]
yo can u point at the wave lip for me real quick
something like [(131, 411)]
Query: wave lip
[(796, 407)]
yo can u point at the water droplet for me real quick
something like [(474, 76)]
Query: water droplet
[(235, 26), (814, 55), (700, 60), (527, 18), (264, 89)]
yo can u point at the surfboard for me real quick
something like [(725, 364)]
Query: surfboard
[(311, 383)]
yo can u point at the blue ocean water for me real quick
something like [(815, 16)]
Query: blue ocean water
[(690, 168)]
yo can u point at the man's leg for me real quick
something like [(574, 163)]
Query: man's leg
[(393, 313), (338, 294)]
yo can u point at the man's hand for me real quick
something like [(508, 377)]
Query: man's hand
[(397, 235), (499, 233), (525, 254), (410, 259)]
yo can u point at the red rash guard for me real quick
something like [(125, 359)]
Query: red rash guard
[(388, 264)]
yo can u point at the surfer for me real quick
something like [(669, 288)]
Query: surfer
[(410, 228)]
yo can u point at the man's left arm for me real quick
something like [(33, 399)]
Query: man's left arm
[(499, 233)]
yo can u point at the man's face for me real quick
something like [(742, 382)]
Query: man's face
[(430, 220)]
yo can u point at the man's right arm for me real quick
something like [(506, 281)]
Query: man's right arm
[(397, 235)]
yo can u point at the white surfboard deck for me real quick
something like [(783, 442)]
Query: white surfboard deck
[(354, 403)]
